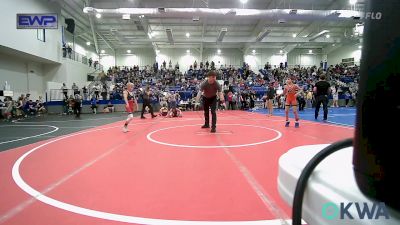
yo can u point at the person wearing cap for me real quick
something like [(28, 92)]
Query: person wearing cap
[(209, 89)]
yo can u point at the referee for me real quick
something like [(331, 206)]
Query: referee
[(210, 88), (322, 90)]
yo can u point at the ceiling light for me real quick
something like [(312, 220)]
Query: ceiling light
[(188, 51), (327, 36), (98, 15), (254, 51), (310, 51), (294, 35), (88, 43), (128, 51), (102, 51), (281, 51), (243, 1), (187, 35), (219, 51), (359, 46)]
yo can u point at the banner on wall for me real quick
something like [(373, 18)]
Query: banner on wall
[(37, 21)]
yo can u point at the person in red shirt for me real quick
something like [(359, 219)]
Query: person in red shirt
[(291, 91)]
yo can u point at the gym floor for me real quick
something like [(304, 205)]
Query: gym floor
[(61, 170)]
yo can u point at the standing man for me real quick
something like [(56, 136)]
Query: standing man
[(65, 91), (210, 89), (77, 105), (146, 96), (322, 90), (271, 93)]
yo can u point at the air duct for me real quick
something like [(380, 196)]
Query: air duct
[(222, 34), (170, 36)]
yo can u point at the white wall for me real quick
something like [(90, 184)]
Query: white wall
[(141, 57), (32, 77), (22, 76), (228, 56), (179, 56), (26, 40), (344, 52), (68, 72), (303, 58), (262, 56), (107, 61)]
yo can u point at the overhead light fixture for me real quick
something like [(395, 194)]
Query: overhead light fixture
[(222, 34), (128, 51), (294, 35), (88, 9), (310, 51), (327, 36), (353, 2), (254, 51), (188, 51), (318, 35), (170, 36), (243, 1), (281, 51), (88, 43), (141, 16), (262, 34), (126, 16), (219, 51), (102, 51), (187, 35), (359, 46), (98, 15)]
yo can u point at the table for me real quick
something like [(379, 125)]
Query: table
[(332, 181)]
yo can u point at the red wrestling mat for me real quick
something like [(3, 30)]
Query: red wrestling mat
[(164, 171)]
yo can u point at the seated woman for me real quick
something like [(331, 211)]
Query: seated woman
[(174, 112), (164, 110)]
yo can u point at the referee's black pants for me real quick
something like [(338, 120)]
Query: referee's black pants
[(210, 103), (324, 100), (147, 103)]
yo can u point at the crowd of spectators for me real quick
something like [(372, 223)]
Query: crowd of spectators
[(243, 87)]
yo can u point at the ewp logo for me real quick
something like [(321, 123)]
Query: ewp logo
[(331, 211), (37, 21)]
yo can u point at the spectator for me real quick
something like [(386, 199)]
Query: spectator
[(64, 90), (75, 89)]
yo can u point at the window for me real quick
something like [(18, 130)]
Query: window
[(41, 35)]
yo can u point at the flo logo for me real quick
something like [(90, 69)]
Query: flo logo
[(363, 211)]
